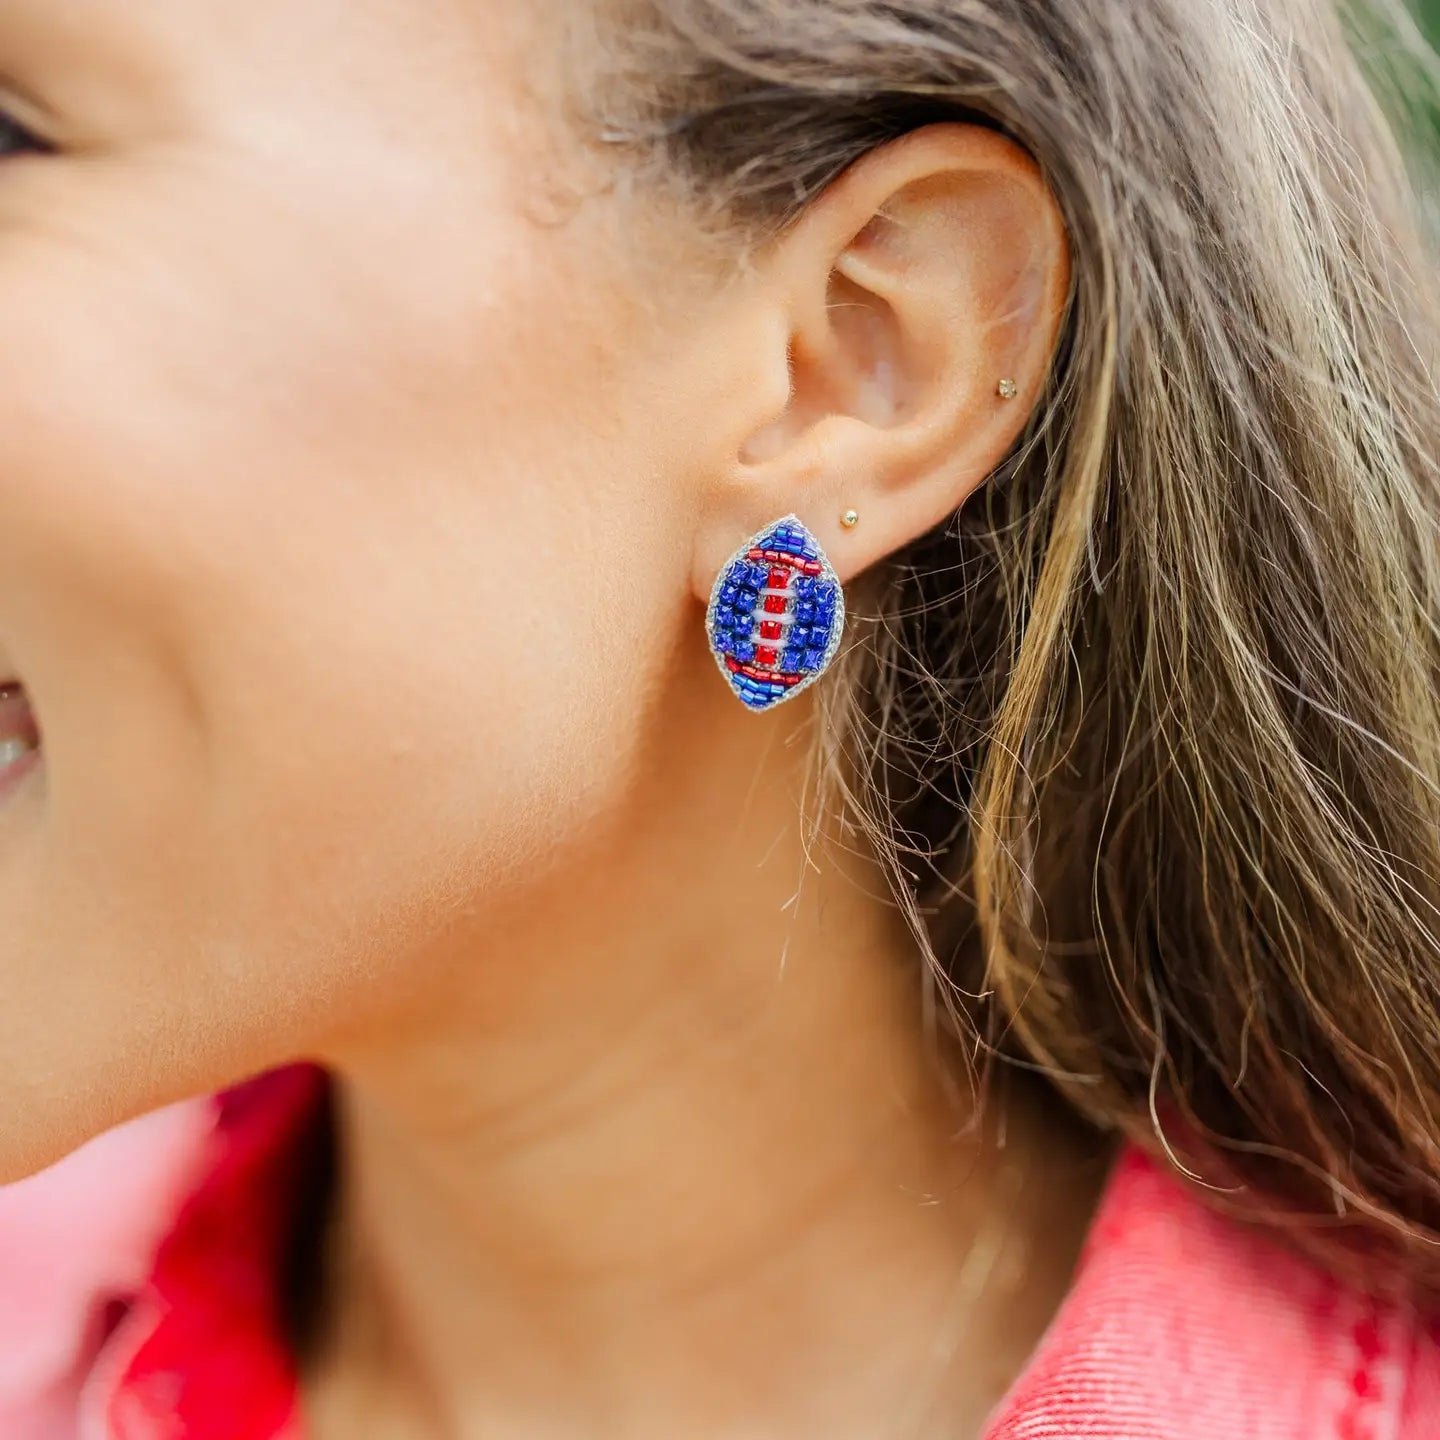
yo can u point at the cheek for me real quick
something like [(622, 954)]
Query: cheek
[(329, 602)]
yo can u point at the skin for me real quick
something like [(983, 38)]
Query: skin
[(366, 461)]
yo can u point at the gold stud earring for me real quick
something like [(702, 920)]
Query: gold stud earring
[(1007, 389), (850, 519)]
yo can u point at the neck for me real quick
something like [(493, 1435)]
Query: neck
[(668, 1156)]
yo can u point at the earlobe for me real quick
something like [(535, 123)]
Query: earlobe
[(932, 270)]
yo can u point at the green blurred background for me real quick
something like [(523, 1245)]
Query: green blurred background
[(1429, 12), (1428, 175)]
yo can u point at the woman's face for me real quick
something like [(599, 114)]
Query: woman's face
[(342, 463)]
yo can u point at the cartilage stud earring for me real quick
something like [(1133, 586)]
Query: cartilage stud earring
[(776, 615)]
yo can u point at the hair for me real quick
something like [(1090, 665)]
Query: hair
[(1147, 735)]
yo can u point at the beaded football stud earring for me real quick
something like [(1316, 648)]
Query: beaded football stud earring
[(776, 614)]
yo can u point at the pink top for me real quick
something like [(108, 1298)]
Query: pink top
[(138, 1301)]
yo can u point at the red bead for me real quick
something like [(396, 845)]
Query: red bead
[(779, 577), (775, 604), (732, 662), (770, 629), (766, 656)]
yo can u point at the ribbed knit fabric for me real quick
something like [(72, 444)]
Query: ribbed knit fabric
[(1182, 1326), (139, 1301)]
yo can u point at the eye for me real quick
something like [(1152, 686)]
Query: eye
[(15, 139)]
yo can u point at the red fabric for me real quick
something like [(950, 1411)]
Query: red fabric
[(207, 1360), (1179, 1326), (74, 1241), (1182, 1326)]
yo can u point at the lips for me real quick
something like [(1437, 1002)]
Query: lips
[(19, 733)]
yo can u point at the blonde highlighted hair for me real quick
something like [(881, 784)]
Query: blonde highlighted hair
[(1148, 734)]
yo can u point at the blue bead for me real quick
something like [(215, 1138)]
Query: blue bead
[(790, 659), (814, 658), (798, 635), (803, 585), (805, 612), (728, 593), (745, 651)]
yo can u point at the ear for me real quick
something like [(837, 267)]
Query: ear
[(886, 317)]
